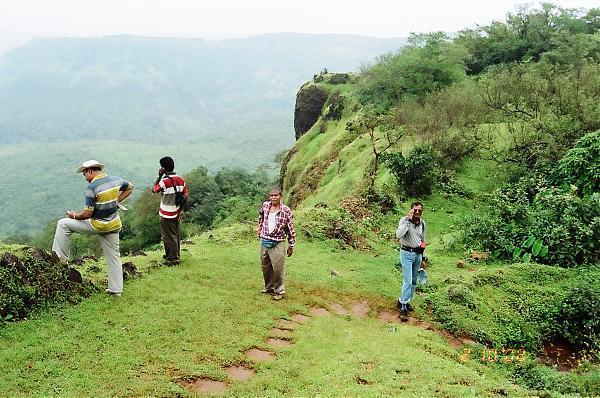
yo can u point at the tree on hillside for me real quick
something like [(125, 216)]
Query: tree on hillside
[(382, 135), (428, 63), (525, 35)]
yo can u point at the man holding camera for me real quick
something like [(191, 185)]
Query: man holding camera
[(411, 234), (170, 186)]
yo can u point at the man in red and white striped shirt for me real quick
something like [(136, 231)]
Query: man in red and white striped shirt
[(168, 183)]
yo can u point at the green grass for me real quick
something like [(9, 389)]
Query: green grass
[(196, 319)]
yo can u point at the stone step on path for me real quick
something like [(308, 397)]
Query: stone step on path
[(283, 332), (204, 385), (319, 312), (258, 355), (240, 373), (280, 332), (278, 343)]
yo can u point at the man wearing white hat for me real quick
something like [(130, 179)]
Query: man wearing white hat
[(99, 217)]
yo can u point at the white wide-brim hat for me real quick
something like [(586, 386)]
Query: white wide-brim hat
[(89, 164)]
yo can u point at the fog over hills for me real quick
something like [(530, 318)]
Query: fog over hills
[(129, 100)]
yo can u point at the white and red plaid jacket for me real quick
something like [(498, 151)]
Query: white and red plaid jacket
[(284, 224)]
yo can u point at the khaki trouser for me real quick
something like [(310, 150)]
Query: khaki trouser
[(169, 230), (273, 261), (109, 243)]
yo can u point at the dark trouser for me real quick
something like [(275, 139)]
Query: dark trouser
[(273, 261), (169, 230)]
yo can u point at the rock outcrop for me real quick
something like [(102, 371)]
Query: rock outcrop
[(309, 105)]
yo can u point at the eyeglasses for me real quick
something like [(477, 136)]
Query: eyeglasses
[(417, 210)]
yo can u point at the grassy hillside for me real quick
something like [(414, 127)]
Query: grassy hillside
[(174, 324)]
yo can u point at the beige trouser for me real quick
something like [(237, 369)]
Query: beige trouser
[(109, 243), (273, 261)]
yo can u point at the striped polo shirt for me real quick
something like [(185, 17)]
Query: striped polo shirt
[(101, 198), (170, 184)]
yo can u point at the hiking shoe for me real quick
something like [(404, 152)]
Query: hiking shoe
[(404, 315), (116, 294), (408, 307), (265, 291), (277, 297)]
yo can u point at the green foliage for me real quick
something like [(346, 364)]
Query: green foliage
[(141, 227), (563, 217), (322, 223), (449, 120), (34, 279), (529, 34), (581, 165), (533, 375), (520, 307), (545, 109), (427, 64), (205, 197), (532, 247), (578, 320), (416, 173)]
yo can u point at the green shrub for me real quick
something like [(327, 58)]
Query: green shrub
[(322, 223), (530, 373), (578, 318), (36, 278), (568, 224), (581, 165), (416, 173), (461, 294)]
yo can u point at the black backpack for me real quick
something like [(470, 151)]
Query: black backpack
[(180, 199)]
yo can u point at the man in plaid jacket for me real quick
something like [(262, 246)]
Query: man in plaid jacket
[(275, 222)]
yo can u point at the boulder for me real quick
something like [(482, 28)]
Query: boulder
[(309, 105)]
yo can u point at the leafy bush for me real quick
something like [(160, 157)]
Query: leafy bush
[(578, 319), (536, 376), (449, 120), (416, 173), (322, 223), (35, 278), (544, 108), (570, 226), (581, 165), (565, 217)]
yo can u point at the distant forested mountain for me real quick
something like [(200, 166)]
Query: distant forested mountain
[(130, 87), (129, 100)]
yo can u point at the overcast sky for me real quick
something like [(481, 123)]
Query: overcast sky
[(235, 18)]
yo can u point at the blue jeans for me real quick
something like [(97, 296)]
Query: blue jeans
[(411, 262)]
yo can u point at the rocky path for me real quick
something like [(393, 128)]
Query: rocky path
[(281, 339)]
